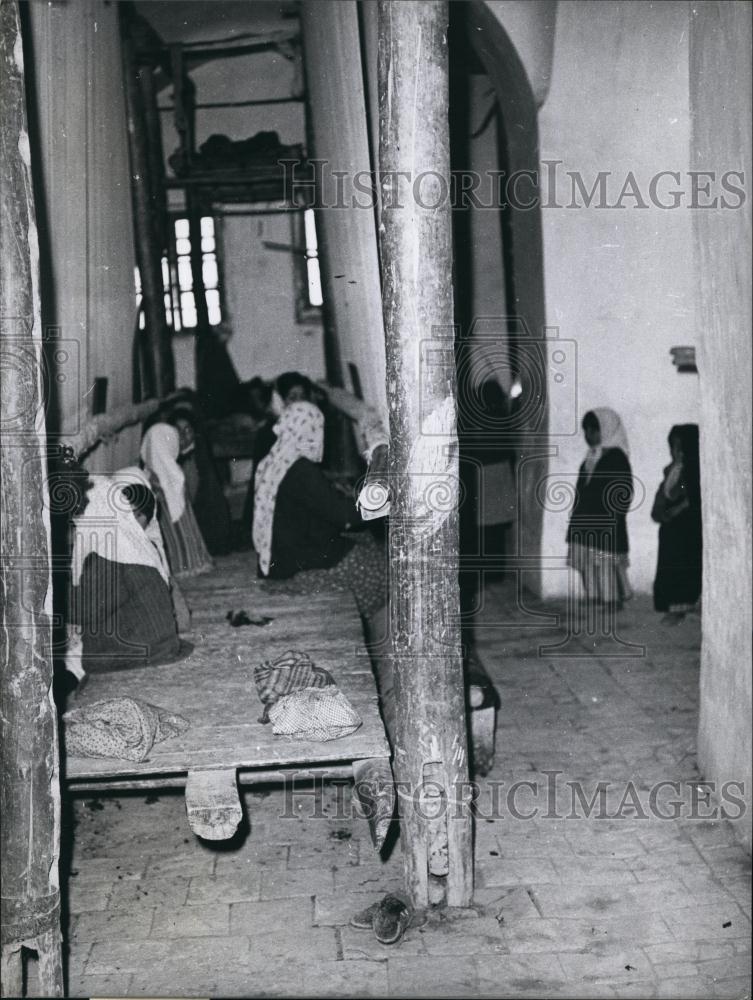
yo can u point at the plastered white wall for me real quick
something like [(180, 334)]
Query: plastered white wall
[(619, 281)]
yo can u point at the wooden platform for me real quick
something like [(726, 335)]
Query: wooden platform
[(214, 688)]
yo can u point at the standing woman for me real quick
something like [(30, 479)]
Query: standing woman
[(677, 511), (597, 534), (186, 550)]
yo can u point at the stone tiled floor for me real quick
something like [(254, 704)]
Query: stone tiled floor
[(624, 904)]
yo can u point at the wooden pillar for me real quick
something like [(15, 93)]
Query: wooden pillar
[(29, 788), (193, 209), (158, 364), (156, 157), (430, 756)]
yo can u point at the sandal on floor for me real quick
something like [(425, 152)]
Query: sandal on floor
[(391, 920)]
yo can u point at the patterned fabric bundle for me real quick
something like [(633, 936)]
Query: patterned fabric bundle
[(290, 672), (119, 727), (302, 700), (318, 714)]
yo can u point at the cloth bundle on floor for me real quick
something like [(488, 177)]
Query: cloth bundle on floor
[(302, 700), (119, 727)]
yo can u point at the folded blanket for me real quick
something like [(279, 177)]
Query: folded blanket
[(119, 727), (302, 700)]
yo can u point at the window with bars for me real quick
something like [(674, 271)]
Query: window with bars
[(177, 277)]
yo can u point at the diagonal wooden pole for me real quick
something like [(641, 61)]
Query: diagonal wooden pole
[(430, 753), (29, 786)]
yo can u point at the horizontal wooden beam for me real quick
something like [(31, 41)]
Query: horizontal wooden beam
[(261, 102), (263, 776)]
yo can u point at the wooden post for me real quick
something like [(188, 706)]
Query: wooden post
[(193, 207), (156, 157), (29, 789), (430, 759), (159, 377)]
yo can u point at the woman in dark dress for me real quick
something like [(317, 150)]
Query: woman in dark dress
[(677, 510), (597, 534), (120, 596), (300, 517)]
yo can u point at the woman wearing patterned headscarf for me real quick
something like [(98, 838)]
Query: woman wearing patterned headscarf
[(120, 596), (597, 533), (186, 550), (299, 516), (677, 511)]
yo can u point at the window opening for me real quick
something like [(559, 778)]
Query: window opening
[(177, 279)]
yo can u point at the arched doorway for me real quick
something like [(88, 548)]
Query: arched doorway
[(499, 275)]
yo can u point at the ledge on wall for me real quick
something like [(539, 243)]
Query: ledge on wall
[(683, 358)]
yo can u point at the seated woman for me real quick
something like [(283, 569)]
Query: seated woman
[(186, 550), (203, 487), (290, 387), (120, 594), (300, 517)]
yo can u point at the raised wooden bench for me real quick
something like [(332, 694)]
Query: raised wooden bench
[(214, 690)]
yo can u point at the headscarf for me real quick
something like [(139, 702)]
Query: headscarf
[(159, 451), (612, 436), (108, 527), (133, 474), (300, 434), (691, 463)]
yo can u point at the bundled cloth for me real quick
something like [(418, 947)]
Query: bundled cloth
[(302, 700), (119, 727)]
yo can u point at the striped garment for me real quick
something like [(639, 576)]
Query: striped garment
[(184, 544)]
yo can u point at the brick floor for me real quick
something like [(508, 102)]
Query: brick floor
[(627, 905)]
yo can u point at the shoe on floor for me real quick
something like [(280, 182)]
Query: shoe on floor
[(391, 920)]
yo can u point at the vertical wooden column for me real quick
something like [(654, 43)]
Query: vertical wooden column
[(193, 209), (155, 155), (185, 119), (29, 789), (158, 367), (430, 756)]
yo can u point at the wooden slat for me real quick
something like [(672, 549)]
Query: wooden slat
[(325, 772)]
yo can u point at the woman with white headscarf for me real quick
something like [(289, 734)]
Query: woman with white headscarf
[(597, 533), (186, 550), (299, 516), (120, 594)]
